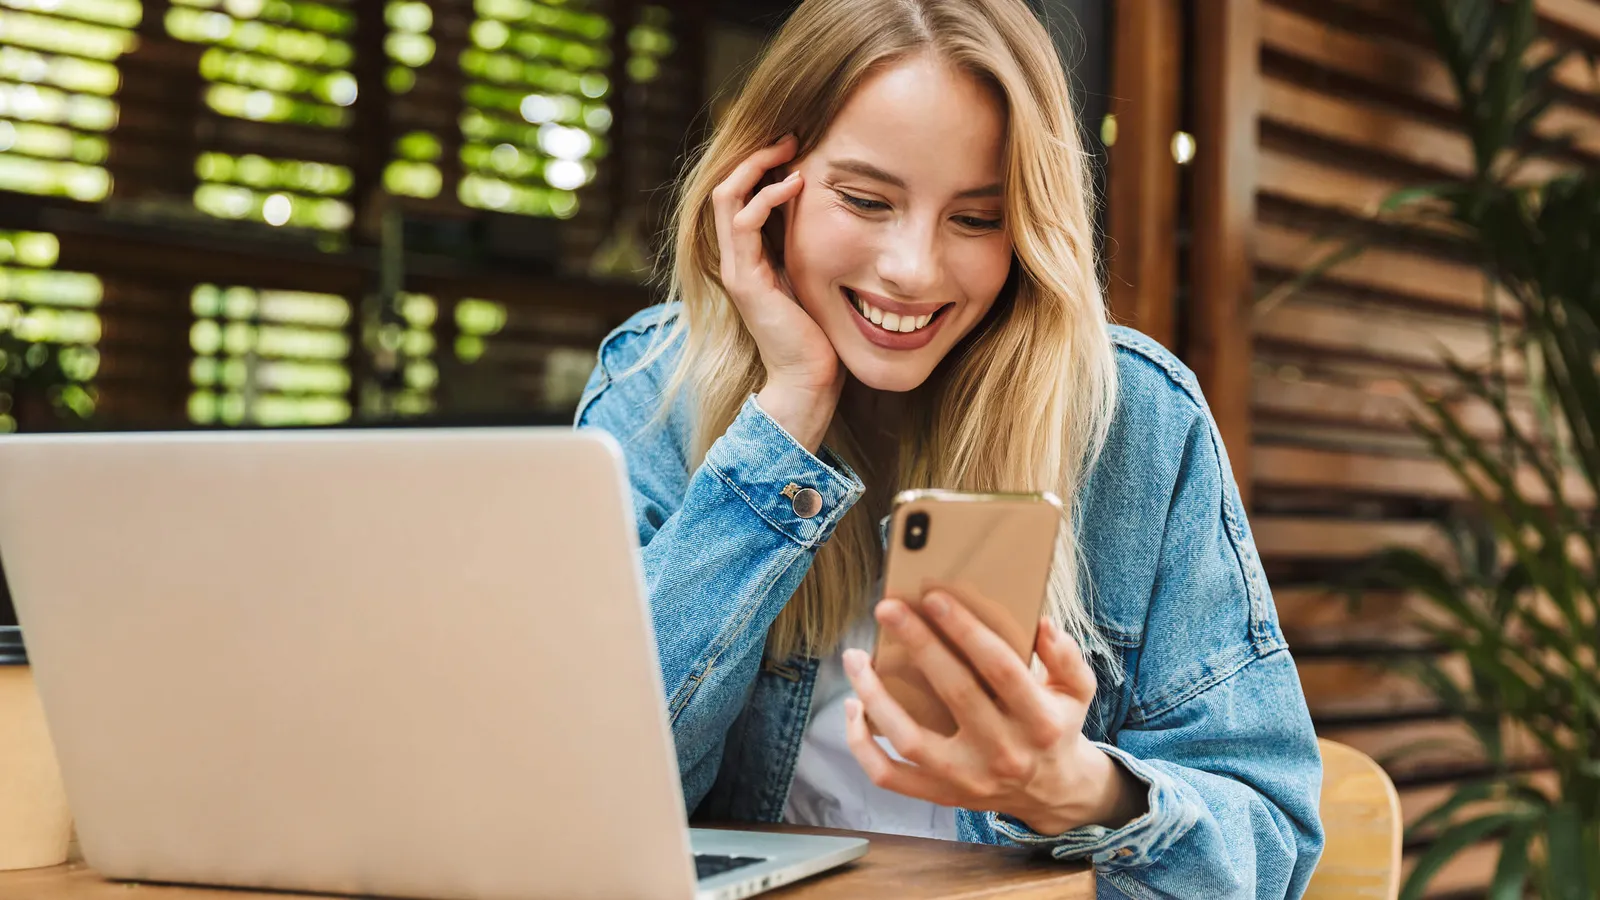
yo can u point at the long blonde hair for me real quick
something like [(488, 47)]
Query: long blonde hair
[(1024, 402)]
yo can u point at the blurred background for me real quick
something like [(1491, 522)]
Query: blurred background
[(269, 213), (313, 212)]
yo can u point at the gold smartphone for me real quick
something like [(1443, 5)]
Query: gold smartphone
[(992, 552)]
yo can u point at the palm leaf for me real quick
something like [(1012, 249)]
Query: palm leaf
[(1452, 842), (1511, 872)]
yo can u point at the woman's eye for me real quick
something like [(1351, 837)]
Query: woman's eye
[(863, 203), (978, 224)]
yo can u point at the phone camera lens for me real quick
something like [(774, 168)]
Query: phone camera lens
[(916, 531)]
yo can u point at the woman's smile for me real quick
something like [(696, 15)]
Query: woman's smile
[(894, 325)]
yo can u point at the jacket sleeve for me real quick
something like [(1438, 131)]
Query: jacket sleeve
[(723, 546), (1217, 726)]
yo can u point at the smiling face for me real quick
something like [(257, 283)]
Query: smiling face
[(897, 245)]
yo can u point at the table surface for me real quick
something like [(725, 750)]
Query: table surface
[(900, 867)]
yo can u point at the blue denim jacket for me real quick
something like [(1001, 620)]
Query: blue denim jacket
[(1209, 712)]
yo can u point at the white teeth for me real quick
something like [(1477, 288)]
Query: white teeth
[(891, 321)]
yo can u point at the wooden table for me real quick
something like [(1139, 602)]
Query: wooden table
[(898, 867)]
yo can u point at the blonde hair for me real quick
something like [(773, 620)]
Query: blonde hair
[(1024, 402)]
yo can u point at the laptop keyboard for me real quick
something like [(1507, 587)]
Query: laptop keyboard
[(707, 865)]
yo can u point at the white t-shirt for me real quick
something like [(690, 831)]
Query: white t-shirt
[(830, 788)]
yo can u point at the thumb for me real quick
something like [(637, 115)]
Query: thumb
[(1064, 662)]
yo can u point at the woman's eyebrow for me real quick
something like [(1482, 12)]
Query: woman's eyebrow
[(868, 170)]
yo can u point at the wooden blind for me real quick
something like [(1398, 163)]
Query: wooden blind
[(308, 211), (1353, 106)]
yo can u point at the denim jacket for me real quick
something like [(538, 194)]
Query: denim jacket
[(1208, 711)]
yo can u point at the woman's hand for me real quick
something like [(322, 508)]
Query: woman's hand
[(804, 375), (1019, 747)]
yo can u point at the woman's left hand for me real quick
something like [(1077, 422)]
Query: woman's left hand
[(1019, 747)]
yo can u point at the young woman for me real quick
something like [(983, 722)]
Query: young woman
[(884, 279)]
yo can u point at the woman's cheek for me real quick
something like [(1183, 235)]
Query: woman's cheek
[(841, 231), (984, 268), (827, 245)]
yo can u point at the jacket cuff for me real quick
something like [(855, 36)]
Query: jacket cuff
[(766, 466), (1167, 819)]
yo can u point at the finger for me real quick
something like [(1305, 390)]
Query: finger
[(998, 664), (887, 773), (745, 232), (731, 194), (1069, 671), (755, 213), (949, 675), (910, 740)]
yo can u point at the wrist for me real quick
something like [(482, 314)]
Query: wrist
[(805, 413), (1096, 790)]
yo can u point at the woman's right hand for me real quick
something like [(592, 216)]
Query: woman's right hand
[(804, 375)]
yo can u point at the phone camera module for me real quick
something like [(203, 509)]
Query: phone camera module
[(916, 531)]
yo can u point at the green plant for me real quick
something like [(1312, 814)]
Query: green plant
[(1518, 598), (40, 382)]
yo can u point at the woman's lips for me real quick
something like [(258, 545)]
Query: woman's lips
[(894, 340)]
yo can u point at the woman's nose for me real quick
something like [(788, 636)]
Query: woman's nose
[(909, 262)]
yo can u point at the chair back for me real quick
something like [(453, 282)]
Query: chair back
[(1361, 819)]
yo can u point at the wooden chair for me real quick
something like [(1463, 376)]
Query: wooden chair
[(1361, 816)]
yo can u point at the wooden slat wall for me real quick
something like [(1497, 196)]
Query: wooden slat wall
[(1352, 106)]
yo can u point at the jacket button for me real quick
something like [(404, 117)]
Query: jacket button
[(806, 502), (1125, 851)]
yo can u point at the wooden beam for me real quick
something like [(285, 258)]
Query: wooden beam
[(1369, 474), (1577, 21), (1391, 66), (1142, 198), (1365, 687), (1322, 184), (1342, 122), (1320, 322), (1432, 748), (1227, 81), (1310, 468), (1323, 618), (1404, 274), (1306, 538)]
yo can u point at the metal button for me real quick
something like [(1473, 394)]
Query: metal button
[(1125, 851), (805, 501)]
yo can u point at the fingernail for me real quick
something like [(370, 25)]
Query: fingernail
[(793, 176), (890, 613), (854, 661), (852, 709), (936, 605)]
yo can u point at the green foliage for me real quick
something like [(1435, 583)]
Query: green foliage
[(1518, 597), (37, 374)]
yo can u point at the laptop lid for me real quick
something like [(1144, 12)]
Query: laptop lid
[(404, 663)]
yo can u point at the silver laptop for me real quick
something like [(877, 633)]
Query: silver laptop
[(396, 663)]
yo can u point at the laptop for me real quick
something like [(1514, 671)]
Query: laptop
[(397, 663)]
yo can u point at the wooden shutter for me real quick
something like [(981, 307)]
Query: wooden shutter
[(389, 169), (1352, 106)]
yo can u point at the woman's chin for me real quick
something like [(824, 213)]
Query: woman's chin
[(879, 375)]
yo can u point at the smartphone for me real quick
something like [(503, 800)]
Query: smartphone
[(992, 552)]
